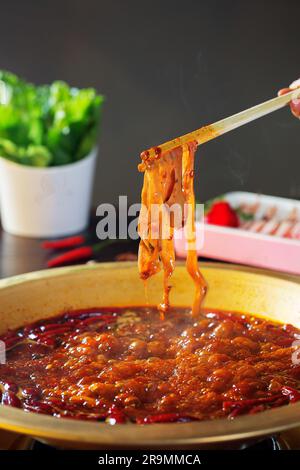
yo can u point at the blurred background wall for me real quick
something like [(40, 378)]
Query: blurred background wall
[(167, 67)]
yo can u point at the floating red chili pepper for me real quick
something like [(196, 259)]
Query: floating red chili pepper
[(227, 405), (254, 410), (164, 418), (9, 386), (292, 393), (115, 416), (68, 242), (48, 333), (38, 407), (252, 401), (46, 328), (53, 333), (10, 343), (253, 405), (10, 398), (31, 393)]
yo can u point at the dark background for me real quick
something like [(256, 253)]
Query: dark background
[(166, 68)]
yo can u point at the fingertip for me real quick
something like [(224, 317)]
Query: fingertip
[(295, 107), (283, 91), (295, 84)]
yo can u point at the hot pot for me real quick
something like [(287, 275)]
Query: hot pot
[(33, 296)]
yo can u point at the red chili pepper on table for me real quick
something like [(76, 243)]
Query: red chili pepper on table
[(77, 254), (68, 242), (80, 253)]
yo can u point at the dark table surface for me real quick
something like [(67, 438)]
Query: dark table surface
[(19, 255)]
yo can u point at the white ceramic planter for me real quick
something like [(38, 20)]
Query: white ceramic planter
[(46, 202)]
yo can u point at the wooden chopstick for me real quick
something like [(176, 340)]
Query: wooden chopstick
[(206, 133)]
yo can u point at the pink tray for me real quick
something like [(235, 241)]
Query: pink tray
[(242, 246)]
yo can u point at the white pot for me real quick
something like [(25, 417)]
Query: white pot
[(46, 202)]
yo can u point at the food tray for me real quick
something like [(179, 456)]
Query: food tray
[(246, 247)]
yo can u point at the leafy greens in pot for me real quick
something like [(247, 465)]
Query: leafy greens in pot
[(46, 125)]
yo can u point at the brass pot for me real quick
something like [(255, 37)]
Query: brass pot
[(34, 296)]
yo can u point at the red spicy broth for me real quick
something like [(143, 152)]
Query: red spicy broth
[(128, 365)]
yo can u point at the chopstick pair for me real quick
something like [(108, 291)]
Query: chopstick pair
[(206, 133)]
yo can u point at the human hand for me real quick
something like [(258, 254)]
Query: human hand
[(294, 104)]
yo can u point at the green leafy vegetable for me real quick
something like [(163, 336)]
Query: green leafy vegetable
[(46, 125)]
